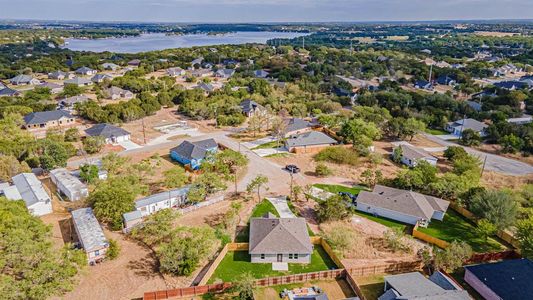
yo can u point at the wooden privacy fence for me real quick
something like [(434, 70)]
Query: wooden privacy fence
[(492, 256), (288, 279), (394, 268), (428, 238), (187, 291)]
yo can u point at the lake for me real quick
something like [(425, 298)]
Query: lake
[(161, 41)]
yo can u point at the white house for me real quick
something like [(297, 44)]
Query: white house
[(410, 156), (400, 205), (112, 134), (282, 240), (157, 202), (69, 185), (457, 127), (85, 71), (33, 193)]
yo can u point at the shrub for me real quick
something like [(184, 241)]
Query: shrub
[(114, 249), (338, 155), (333, 209), (394, 237), (322, 170)]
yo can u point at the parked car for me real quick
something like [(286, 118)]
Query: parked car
[(292, 169)]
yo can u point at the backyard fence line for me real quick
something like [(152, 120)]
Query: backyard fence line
[(428, 238), (187, 291), (392, 268), (492, 256), (199, 205), (297, 278)]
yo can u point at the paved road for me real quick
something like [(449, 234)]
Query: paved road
[(494, 162)]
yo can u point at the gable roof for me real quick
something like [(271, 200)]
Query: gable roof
[(90, 232), (249, 105), (509, 279), (106, 130), (30, 188), (84, 70), (414, 153), (225, 72), (99, 77), (21, 79), (77, 81), (261, 73), (8, 92), (295, 124), (194, 150), (469, 124), (279, 235), (510, 85), (309, 139), (70, 101), (57, 74), (206, 87), (116, 91), (45, 116), (402, 201), (415, 286)]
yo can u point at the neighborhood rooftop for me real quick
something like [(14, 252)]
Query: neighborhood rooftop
[(45, 116), (413, 152), (106, 130), (161, 197), (89, 230), (279, 235), (405, 202), (415, 286), (30, 188), (310, 139), (195, 150)]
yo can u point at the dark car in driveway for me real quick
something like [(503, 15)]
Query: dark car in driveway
[(292, 169), (350, 196)]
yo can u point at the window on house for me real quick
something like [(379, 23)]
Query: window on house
[(262, 256), (290, 256), (97, 252), (296, 256)]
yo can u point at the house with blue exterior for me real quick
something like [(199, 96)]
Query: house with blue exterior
[(191, 154)]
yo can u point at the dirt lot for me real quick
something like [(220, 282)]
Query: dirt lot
[(495, 33), (496, 149), (165, 116), (335, 289), (368, 246)]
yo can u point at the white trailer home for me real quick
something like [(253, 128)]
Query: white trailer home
[(68, 185)]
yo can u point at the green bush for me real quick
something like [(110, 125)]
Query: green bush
[(338, 155), (322, 170), (114, 249)]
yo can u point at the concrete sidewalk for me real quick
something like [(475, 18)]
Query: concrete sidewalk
[(280, 203)]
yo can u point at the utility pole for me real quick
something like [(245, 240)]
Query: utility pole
[(351, 47), (303, 42), (144, 131), (484, 163), (430, 72)]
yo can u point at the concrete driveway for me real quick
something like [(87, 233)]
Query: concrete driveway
[(494, 162), (280, 203)]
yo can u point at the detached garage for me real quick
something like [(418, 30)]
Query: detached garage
[(112, 134)]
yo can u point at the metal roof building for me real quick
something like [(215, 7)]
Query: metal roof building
[(90, 234), (69, 185), (33, 193)]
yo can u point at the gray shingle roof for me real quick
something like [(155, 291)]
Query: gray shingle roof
[(30, 188), (249, 105), (57, 74), (73, 100), (206, 87), (469, 124), (77, 81), (443, 281), (42, 117), (415, 286), (90, 232), (414, 153), (100, 77), (311, 138), (84, 70), (194, 150), (8, 92), (21, 79), (106, 130), (279, 236), (402, 201), (225, 72), (295, 124)]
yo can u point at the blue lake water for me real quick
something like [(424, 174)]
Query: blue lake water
[(160, 41)]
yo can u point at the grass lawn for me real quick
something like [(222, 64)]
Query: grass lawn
[(436, 131), (455, 227), (236, 263), (259, 210), (281, 155), (335, 188), (371, 286), (383, 221), (273, 144)]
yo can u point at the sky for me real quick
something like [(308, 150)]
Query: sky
[(237, 11)]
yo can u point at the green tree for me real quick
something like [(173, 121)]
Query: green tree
[(511, 143), (72, 135), (54, 154), (470, 137), (14, 140), (89, 173), (31, 267), (452, 257), (322, 170), (157, 228), (394, 238), (115, 164), (175, 177), (371, 177), (524, 234), (411, 127), (332, 209), (397, 154), (71, 90), (465, 164), (455, 152), (10, 166), (93, 144), (497, 207), (360, 134), (114, 197), (256, 184), (244, 287), (114, 249), (485, 229)]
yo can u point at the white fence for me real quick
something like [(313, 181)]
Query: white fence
[(211, 201)]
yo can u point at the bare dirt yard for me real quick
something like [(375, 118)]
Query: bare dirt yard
[(367, 245), (165, 116)]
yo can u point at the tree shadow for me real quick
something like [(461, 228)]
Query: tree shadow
[(146, 267), (68, 233)]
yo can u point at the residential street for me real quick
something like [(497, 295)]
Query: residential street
[(495, 163)]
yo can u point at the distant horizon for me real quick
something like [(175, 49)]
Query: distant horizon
[(443, 21), (266, 11)]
